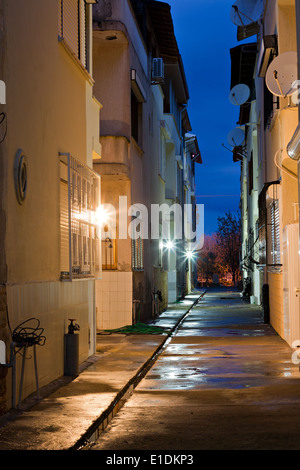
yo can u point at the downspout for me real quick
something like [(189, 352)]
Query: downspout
[(182, 138)]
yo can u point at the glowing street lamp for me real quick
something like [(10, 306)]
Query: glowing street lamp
[(189, 254), (169, 245), (101, 216)]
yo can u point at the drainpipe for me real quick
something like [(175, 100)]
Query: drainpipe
[(182, 139)]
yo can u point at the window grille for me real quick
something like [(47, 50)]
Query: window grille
[(72, 27), (137, 245), (80, 234), (137, 254), (275, 231)]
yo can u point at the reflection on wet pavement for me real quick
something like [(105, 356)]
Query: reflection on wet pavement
[(222, 343)]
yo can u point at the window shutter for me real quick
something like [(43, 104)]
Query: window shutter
[(60, 19), (275, 232), (137, 254), (82, 32), (73, 27), (80, 242), (70, 24), (64, 228)]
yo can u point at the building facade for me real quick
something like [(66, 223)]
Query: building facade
[(88, 230), (48, 189), (269, 173), (144, 120)]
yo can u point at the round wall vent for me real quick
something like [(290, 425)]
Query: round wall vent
[(20, 175)]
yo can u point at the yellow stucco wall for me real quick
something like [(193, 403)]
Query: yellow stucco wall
[(50, 109), (280, 19), (46, 104)]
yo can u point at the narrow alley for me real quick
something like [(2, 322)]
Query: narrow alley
[(149, 226), (225, 381)]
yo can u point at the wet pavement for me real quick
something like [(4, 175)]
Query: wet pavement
[(221, 379), (225, 381), (73, 409)]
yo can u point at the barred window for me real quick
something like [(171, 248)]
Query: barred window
[(275, 230), (80, 238), (72, 27), (137, 254), (137, 244)]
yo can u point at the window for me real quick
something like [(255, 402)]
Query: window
[(72, 27), (79, 234), (108, 253), (275, 231), (135, 111), (269, 226)]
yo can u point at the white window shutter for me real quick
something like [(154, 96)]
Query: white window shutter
[(275, 232), (82, 32), (64, 228), (80, 238), (71, 24)]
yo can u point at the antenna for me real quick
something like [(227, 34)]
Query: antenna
[(245, 12), (282, 73), (239, 94), (236, 137), (237, 151)]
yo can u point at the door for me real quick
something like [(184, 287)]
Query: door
[(291, 283)]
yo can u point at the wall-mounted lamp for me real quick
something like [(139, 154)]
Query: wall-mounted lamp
[(169, 244), (293, 147), (101, 217), (189, 254)]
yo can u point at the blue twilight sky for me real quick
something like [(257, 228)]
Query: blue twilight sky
[(205, 35)]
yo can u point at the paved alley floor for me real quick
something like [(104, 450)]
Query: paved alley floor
[(216, 377), (225, 381)]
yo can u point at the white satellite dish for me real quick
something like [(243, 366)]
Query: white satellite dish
[(236, 137), (282, 73), (245, 12), (239, 94)]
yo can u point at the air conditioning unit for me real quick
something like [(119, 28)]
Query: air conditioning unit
[(157, 70)]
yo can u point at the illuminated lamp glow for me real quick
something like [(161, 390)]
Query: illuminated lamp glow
[(189, 254), (101, 216), (169, 245)]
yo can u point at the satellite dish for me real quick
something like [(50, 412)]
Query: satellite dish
[(239, 94), (245, 12), (282, 73), (236, 137)]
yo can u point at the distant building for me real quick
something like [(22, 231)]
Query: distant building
[(192, 155), (141, 83)]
